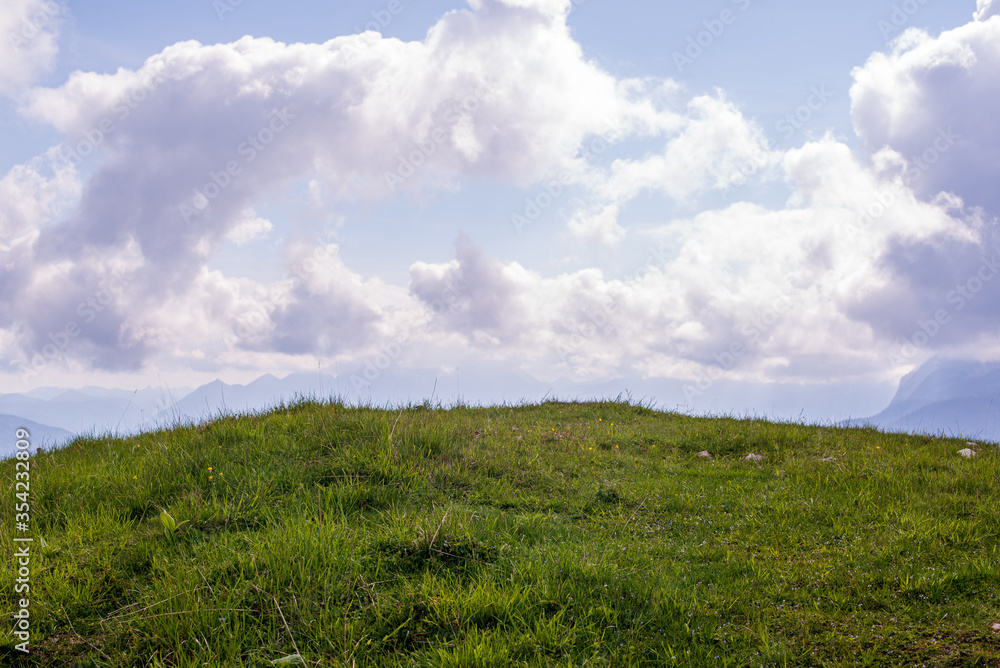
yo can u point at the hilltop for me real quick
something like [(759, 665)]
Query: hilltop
[(562, 534)]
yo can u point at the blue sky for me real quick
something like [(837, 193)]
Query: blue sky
[(779, 193)]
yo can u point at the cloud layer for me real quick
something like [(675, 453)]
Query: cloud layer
[(106, 241)]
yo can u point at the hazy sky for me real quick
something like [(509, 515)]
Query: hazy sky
[(770, 192)]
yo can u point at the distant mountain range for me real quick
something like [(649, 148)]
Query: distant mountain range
[(950, 397), (941, 397), (39, 435), (57, 414), (90, 409)]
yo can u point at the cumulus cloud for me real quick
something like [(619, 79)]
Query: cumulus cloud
[(178, 151), (329, 309), (712, 147), (933, 99), (32, 193), (29, 32), (250, 228), (164, 166), (480, 294), (498, 308), (708, 145), (815, 289), (985, 9), (930, 100), (710, 152)]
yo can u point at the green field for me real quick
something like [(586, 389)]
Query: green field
[(560, 534)]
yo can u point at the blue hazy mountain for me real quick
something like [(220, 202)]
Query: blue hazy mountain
[(90, 409), (358, 385), (40, 435), (943, 396)]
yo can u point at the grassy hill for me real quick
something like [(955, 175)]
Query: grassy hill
[(584, 534)]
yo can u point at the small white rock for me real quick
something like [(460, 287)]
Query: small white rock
[(753, 458), (705, 454), (967, 453)]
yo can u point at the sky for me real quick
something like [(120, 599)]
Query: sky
[(763, 193)]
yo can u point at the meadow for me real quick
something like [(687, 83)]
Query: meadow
[(557, 534)]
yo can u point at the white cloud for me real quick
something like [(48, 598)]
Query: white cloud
[(710, 152), (986, 9), (250, 228), (28, 42), (805, 292), (933, 99), (599, 223), (712, 147), (29, 198)]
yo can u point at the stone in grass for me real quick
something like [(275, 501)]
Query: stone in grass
[(705, 453), (995, 626), (969, 443), (968, 453), (753, 458)]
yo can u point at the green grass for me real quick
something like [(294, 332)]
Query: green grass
[(561, 534)]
